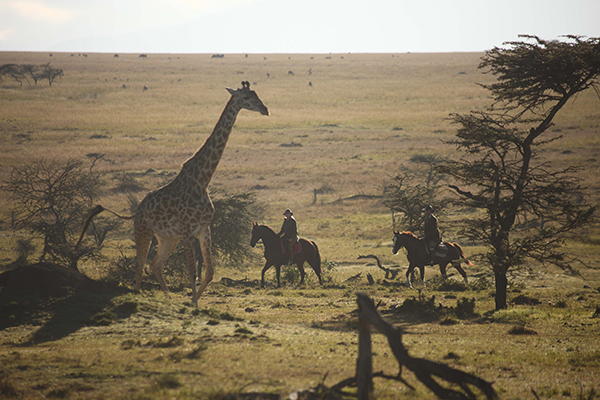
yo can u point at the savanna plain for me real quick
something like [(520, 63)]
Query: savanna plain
[(340, 124)]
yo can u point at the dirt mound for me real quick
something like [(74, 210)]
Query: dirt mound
[(52, 280)]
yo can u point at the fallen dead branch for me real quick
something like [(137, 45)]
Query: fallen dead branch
[(389, 272), (428, 372), (424, 370)]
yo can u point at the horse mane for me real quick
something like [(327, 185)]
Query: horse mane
[(408, 233), (264, 226)]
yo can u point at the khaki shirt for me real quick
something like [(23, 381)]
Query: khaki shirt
[(289, 229)]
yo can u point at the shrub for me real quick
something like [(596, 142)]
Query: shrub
[(421, 308), (523, 299), (103, 318), (49, 201), (449, 321), (289, 274), (480, 284), (451, 285), (521, 330), (465, 308)]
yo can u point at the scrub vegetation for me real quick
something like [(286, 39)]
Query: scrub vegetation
[(342, 126)]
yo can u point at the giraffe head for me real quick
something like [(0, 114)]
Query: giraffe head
[(248, 99)]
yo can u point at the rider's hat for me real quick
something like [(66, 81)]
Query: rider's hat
[(288, 211), (428, 208)]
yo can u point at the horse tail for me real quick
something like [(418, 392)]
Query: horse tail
[(93, 212), (462, 255), (317, 258)]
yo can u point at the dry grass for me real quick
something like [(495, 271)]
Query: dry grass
[(253, 340), (363, 117)]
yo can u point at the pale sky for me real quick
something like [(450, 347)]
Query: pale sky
[(287, 26)]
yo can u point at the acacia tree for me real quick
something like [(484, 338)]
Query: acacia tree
[(20, 72), (406, 196), (13, 71), (47, 72), (411, 190), (50, 199), (502, 176)]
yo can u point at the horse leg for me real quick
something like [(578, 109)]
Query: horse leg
[(318, 272), (422, 268), (460, 270), (300, 265), (443, 266), (268, 265), (278, 273), (316, 267), (409, 273)]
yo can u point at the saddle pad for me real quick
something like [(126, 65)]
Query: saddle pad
[(297, 247)]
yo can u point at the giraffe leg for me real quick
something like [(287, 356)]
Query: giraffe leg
[(165, 248), (143, 238), (190, 255), (204, 237)]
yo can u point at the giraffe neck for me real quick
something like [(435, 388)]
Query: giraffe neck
[(203, 164)]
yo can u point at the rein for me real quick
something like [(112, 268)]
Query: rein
[(407, 239), (268, 236)]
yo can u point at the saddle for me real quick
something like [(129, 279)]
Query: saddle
[(441, 250), (297, 247)]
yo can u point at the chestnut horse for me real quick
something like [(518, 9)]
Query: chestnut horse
[(418, 257), (277, 257)]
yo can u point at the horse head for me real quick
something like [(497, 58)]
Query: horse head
[(402, 239), (398, 243), (256, 236)]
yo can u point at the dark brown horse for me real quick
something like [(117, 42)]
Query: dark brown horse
[(277, 257), (418, 257)]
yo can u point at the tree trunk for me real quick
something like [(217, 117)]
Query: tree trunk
[(501, 286)]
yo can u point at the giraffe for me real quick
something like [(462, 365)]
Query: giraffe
[(182, 210)]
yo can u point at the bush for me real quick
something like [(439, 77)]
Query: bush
[(50, 199), (121, 269), (523, 299), (289, 274), (450, 285), (425, 309), (421, 308), (480, 284), (103, 318), (521, 330), (465, 308)]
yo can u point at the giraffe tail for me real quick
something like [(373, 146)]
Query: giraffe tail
[(93, 212)]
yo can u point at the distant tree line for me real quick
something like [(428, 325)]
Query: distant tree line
[(25, 72)]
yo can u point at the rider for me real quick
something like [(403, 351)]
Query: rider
[(289, 232), (432, 233)]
